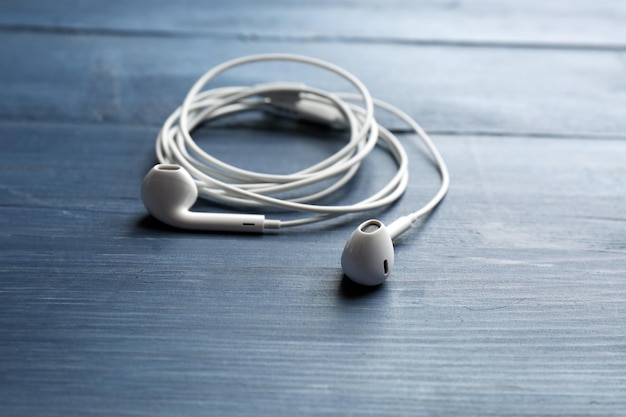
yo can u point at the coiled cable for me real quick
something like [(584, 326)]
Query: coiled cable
[(217, 180)]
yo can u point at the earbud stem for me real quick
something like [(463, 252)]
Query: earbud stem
[(226, 222), (399, 226)]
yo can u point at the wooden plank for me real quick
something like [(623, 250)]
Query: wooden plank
[(557, 24), (508, 300), (488, 91)]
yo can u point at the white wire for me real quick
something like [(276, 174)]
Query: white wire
[(220, 181)]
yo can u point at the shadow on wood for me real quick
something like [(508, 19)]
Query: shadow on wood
[(349, 290)]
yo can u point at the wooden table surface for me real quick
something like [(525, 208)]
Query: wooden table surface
[(509, 300)]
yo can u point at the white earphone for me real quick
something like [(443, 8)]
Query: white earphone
[(185, 171)]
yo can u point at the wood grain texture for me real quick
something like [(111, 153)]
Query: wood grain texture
[(509, 300), (496, 23), (449, 90)]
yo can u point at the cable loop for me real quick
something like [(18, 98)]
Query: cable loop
[(220, 181)]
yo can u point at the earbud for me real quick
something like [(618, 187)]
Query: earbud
[(168, 192), (368, 256)]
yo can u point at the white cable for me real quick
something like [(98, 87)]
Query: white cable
[(220, 181)]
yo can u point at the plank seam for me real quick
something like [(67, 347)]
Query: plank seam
[(253, 37), (399, 131)]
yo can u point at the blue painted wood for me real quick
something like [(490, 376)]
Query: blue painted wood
[(506, 23), (509, 300), (465, 90)]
